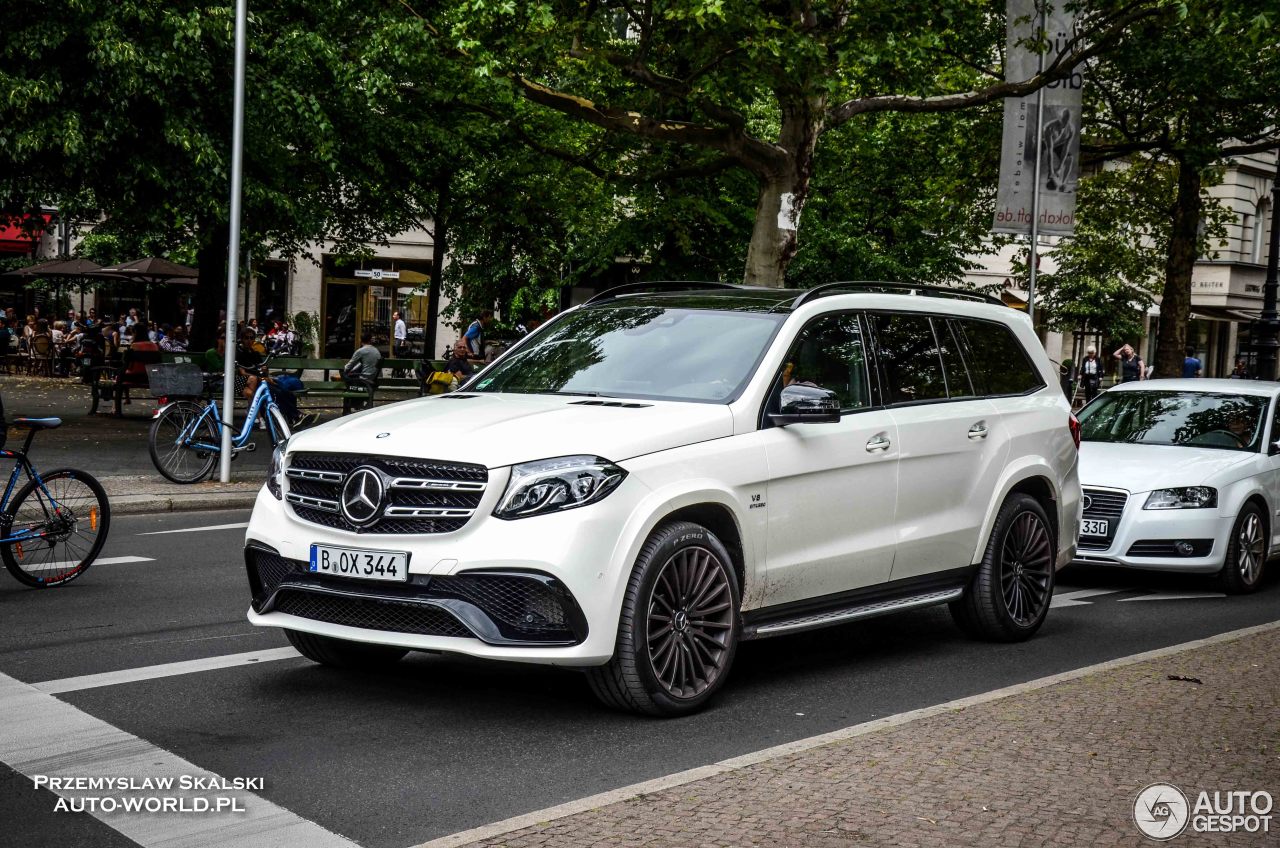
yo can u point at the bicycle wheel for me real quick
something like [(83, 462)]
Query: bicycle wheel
[(67, 522), (282, 430), (172, 433)]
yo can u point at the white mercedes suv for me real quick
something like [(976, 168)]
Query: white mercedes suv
[(670, 469)]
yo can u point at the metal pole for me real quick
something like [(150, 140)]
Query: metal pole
[(1033, 258), (1270, 318), (233, 248)]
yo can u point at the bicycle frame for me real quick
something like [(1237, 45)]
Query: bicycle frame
[(23, 463), (261, 402)]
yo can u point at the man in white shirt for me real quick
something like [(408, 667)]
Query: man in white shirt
[(400, 333)]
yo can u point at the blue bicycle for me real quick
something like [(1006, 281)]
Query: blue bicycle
[(55, 526), (186, 435)]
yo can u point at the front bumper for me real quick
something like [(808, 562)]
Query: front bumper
[(544, 590), (1149, 539)]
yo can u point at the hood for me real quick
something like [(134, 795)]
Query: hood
[(1141, 468), (494, 430)]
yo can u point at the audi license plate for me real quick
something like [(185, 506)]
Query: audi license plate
[(1094, 527), (360, 563)]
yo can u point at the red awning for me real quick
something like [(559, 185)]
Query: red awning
[(15, 237)]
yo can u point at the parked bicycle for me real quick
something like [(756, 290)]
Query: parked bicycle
[(186, 434), (53, 529)]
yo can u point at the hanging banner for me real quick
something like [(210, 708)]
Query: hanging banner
[(1057, 143)]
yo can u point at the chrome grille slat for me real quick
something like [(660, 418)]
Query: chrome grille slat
[(422, 495)]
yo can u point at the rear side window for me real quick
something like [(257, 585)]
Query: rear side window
[(909, 358), (997, 361)]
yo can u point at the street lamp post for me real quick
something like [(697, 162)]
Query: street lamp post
[(1269, 321), (233, 247)]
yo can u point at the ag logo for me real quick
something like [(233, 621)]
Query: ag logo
[(1161, 811), (361, 499), (1086, 503)]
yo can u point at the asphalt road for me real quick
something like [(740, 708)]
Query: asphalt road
[(440, 744)]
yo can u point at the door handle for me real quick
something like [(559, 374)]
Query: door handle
[(878, 442), (978, 431)]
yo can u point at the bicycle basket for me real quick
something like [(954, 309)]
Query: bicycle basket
[(182, 379)]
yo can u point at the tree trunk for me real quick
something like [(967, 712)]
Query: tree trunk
[(211, 288), (784, 188), (1175, 302)]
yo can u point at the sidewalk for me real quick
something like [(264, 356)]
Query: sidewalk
[(115, 449), (1056, 764)]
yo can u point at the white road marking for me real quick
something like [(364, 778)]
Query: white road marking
[(41, 735), (151, 672), (117, 560), (238, 526), (614, 796), (1176, 596), (1076, 597)]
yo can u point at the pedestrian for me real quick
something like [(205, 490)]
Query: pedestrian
[(92, 318), (131, 318), (475, 334), (1091, 373), (1240, 371), (1191, 366), (6, 337), (399, 340), (1131, 365)]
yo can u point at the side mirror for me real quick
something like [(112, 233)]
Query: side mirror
[(806, 404)]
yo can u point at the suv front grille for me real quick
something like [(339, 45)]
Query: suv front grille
[(421, 496), (1104, 505)]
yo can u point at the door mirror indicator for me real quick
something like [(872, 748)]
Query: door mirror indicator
[(806, 404)]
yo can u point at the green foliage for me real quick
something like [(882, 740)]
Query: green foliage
[(306, 325)]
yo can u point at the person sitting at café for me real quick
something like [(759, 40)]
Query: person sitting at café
[(6, 336), (175, 342)]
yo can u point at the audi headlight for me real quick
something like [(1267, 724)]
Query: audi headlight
[(275, 472), (552, 485), (1189, 497)]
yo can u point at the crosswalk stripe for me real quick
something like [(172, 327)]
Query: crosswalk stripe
[(41, 735), (1176, 596), (151, 672), (1076, 598), (237, 526)]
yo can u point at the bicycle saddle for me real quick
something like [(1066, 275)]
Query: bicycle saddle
[(37, 423)]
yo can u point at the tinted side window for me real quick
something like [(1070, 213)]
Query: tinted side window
[(996, 359), (958, 382), (830, 353), (909, 358)]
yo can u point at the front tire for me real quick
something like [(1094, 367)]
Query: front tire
[(341, 653), (678, 632), (74, 525), (1009, 596), (1246, 552), (170, 450)]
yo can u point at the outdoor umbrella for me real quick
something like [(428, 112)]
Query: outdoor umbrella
[(152, 269), (36, 270)]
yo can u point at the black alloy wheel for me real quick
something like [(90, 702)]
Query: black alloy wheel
[(690, 621), (678, 628), (1010, 592), (1026, 568)]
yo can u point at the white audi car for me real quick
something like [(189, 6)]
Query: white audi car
[(1182, 475)]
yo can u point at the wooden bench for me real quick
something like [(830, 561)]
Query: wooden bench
[(384, 388)]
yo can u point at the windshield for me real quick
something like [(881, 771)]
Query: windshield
[(1195, 419), (639, 352)]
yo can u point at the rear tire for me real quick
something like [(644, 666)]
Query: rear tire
[(1009, 596), (175, 461), (1246, 553), (341, 653), (678, 631)]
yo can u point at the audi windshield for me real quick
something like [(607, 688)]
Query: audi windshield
[(649, 352), (1193, 419)]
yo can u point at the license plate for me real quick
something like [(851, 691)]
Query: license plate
[(1094, 527), (360, 563)]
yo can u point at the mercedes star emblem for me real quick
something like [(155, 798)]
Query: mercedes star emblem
[(361, 500)]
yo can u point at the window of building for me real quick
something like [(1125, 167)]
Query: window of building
[(1261, 227)]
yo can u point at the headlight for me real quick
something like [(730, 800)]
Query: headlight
[(275, 472), (1190, 497), (552, 485)]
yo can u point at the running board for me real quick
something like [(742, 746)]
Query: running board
[(826, 618)]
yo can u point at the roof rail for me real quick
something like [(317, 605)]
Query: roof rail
[(904, 288), (675, 285)]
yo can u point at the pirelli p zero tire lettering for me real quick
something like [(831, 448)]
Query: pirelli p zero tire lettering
[(678, 632)]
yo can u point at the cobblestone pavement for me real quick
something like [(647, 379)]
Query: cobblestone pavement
[(1060, 765)]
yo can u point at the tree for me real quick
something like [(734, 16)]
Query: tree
[(1192, 91), (120, 111), (754, 86)]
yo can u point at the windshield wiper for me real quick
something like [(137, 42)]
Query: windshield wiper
[(576, 394)]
